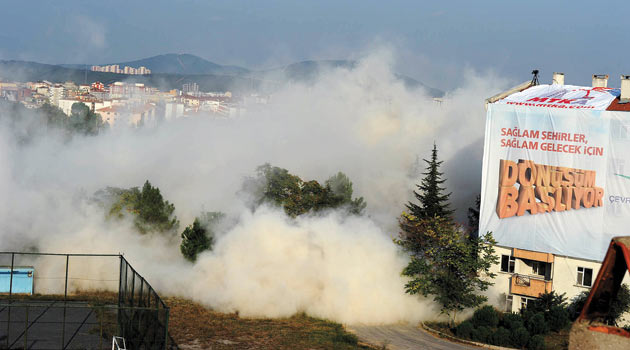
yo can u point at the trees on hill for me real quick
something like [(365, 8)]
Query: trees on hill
[(28, 124), (444, 261), (279, 187), (83, 120), (194, 241), (199, 236), (151, 213)]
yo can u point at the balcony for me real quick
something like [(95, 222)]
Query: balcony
[(531, 255), (529, 286)]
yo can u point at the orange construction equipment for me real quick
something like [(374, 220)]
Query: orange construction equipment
[(587, 332)]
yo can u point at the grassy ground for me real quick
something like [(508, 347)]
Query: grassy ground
[(194, 326), (553, 340)]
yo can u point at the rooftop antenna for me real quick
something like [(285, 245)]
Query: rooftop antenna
[(534, 78)]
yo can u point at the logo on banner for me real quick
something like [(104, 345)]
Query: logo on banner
[(561, 97), (544, 189), (564, 96)]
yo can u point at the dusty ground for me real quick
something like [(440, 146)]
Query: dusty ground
[(193, 326)]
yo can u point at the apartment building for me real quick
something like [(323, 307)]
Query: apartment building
[(554, 190), (522, 275)]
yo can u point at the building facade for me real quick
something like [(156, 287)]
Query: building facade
[(552, 174)]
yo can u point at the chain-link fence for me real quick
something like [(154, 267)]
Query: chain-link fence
[(67, 301)]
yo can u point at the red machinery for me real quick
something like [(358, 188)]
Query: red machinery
[(587, 332)]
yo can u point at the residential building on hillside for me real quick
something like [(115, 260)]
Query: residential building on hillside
[(92, 102), (114, 68), (56, 93), (554, 191), (134, 115)]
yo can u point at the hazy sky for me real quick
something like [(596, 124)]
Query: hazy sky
[(433, 41)]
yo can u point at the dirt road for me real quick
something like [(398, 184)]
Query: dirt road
[(404, 337)]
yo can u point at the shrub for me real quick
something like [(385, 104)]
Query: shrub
[(481, 334), (536, 342), (557, 318), (486, 316), (520, 337), (512, 321), (500, 337), (464, 330), (537, 324), (547, 301), (618, 306), (577, 304)]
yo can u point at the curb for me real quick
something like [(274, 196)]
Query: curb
[(464, 341)]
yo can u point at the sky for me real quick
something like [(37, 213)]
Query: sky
[(434, 41)]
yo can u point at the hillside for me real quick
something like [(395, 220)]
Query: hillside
[(171, 63), (32, 71), (308, 71), (172, 71)]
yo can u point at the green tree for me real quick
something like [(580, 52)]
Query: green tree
[(473, 218), (341, 187), (279, 187), (55, 117), (151, 212), (618, 306), (83, 120), (445, 263), (195, 240), (430, 195)]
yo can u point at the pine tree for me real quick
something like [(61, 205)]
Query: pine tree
[(473, 218), (431, 197), (195, 240)]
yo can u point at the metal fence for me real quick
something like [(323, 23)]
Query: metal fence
[(69, 307)]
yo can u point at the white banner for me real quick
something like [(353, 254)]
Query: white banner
[(563, 96), (555, 180)]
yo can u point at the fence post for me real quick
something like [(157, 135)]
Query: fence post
[(133, 285), (11, 278), (102, 316), (10, 298), (120, 279), (166, 329), (26, 329), (65, 293), (8, 323), (140, 302)]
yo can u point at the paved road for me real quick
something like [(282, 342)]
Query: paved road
[(404, 337)]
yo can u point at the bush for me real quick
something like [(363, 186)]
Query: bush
[(512, 321), (486, 316), (464, 330), (520, 337), (536, 342), (500, 337), (547, 301), (557, 318), (341, 336), (618, 306), (481, 334), (537, 324)]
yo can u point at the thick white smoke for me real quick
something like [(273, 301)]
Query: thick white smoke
[(362, 121)]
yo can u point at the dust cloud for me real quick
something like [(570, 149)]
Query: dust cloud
[(361, 120)]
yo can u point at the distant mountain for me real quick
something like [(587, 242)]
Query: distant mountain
[(175, 64), (309, 70), (171, 71), (32, 71)]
